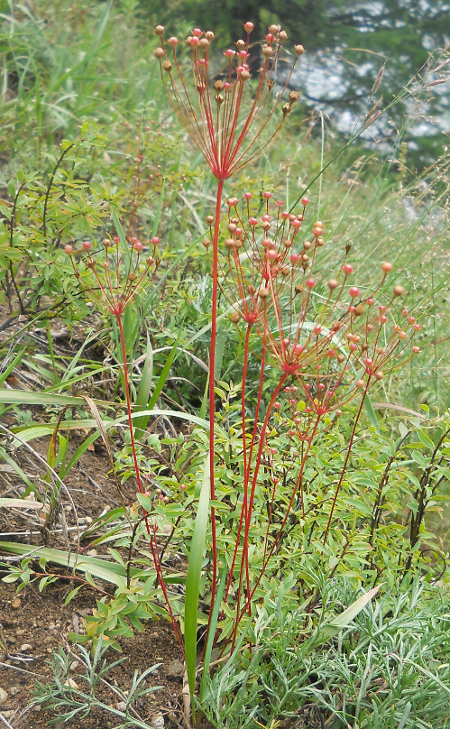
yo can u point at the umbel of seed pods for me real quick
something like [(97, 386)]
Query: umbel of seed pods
[(117, 277), (225, 126), (343, 337)]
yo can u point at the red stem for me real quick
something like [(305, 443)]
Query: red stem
[(139, 483), (344, 467), (212, 363)]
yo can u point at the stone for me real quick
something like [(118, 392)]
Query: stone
[(13, 690), (3, 696), (157, 721), (15, 604), (25, 647), (175, 668)]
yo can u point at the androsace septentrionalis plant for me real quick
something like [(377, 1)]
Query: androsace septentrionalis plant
[(328, 341), (227, 119), (111, 275)]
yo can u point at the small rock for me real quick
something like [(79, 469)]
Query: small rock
[(175, 668), (40, 623), (10, 639), (38, 707), (20, 631), (25, 647), (15, 604), (3, 696), (157, 721), (92, 552), (51, 626), (71, 683), (13, 690), (121, 706), (74, 665), (7, 714)]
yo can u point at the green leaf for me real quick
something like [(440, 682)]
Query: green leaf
[(196, 555), (344, 619)]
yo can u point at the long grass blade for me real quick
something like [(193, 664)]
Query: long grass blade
[(196, 556)]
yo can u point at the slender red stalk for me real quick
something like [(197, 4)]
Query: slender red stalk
[(127, 395), (212, 364), (152, 540), (344, 467)]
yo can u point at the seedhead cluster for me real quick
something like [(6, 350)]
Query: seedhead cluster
[(112, 273), (224, 122)]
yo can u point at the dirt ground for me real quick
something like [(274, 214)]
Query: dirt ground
[(34, 623)]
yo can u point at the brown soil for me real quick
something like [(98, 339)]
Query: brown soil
[(35, 624)]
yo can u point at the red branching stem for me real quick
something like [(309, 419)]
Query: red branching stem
[(347, 456), (152, 538), (262, 437), (127, 395)]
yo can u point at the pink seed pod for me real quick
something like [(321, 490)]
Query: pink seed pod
[(310, 283), (381, 308), (138, 246), (347, 268), (305, 201), (296, 223), (402, 335), (267, 195), (197, 32), (398, 291), (243, 54), (298, 349), (415, 350), (229, 53), (383, 319), (159, 30), (277, 405), (68, 249), (253, 222), (87, 245), (332, 284), (209, 35), (265, 218), (370, 301), (294, 258), (317, 329), (360, 384), (417, 327), (247, 196), (353, 347), (173, 41), (285, 215), (317, 231), (155, 240), (386, 267), (267, 243), (248, 26), (272, 254), (354, 291)]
